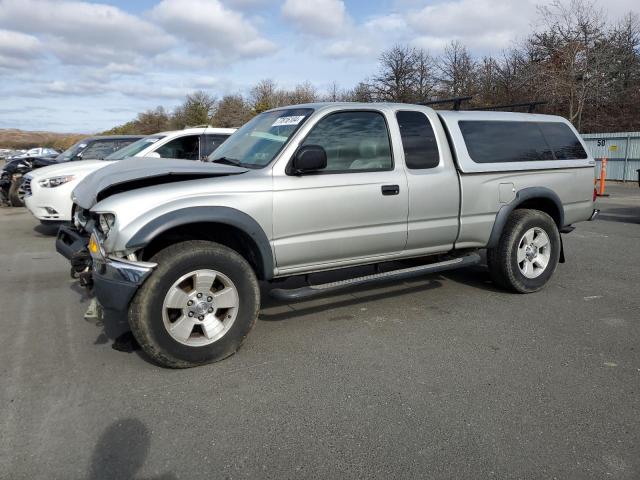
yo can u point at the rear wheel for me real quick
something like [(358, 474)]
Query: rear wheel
[(16, 193), (197, 307), (527, 253)]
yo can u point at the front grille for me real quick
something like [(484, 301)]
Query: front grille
[(26, 186)]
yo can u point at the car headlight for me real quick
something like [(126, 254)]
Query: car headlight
[(106, 221), (79, 218), (56, 181)]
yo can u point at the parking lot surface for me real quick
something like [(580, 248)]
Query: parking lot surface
[(444, 376)]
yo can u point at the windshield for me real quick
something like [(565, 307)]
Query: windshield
[(258, 142), (72, 151), (134, 148)]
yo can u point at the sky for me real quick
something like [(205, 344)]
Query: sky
[(86, 66)]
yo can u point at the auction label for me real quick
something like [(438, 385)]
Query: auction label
[(288, 121)]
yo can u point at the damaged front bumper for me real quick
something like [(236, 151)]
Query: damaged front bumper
[(116, 280), (72, 245)]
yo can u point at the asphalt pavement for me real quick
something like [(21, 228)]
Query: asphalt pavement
[(444, 376)]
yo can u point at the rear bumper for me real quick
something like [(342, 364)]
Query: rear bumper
[(115, 281)]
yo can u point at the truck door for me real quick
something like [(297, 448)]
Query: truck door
[(355, 208), (434, 192)]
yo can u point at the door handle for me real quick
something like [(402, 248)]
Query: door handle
[(390, 189)]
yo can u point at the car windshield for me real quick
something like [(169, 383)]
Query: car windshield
[(134, 148), (72, 151), (258, 142)]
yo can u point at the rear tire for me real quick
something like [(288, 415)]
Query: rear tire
[(16, 195), (197, 307), (527, 253)]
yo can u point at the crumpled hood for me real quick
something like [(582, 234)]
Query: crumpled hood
[(12, 166), (139, 172)]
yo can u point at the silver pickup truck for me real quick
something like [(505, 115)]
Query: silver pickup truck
[(181, 246)]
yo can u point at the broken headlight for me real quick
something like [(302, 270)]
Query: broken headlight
[(105, 222)]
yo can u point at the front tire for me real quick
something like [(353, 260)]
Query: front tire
[(16, 193), (527, 253), (197, 307)]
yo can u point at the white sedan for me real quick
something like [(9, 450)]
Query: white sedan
[(48, 189)]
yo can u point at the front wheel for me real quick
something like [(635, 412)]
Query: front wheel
[(527, 253), (197, 307), (16, 193)]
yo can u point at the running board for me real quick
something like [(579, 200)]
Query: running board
[(315, 290)]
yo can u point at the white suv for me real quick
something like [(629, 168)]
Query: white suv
[(48, 190)]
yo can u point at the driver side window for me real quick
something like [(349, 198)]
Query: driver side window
[(354, 141)]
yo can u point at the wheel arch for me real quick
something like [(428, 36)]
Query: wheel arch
[(225, 225), (535, 198)]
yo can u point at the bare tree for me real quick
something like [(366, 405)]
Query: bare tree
[(457, 71), (424, 83), (152, 121), (302, 93), (570, 55), (197, 109), (265, 95), (396, 76), (231, 111)]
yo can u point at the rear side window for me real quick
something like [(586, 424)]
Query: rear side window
[(504, 141), (418, 140), (563, 141)]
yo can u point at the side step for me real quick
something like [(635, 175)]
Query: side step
[(315, 290)]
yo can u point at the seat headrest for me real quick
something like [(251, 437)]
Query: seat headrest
[(368, 148)]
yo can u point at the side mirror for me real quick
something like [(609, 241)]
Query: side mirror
[(309, 158), (153, 155)]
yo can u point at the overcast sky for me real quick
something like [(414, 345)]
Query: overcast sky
[(86, 66)]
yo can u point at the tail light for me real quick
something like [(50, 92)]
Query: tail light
[(595, 194)]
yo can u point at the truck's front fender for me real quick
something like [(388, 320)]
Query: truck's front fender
[(214, 214)]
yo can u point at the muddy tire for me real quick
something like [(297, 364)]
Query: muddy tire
[(197, 307), (16, 194), (527, 253)]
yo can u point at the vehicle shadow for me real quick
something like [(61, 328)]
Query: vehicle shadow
[(477, 276), (620, 214), (121, 452), (48, 229), (355, 296), (114, 325)]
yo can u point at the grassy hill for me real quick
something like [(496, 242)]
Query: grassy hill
[(14, 138)]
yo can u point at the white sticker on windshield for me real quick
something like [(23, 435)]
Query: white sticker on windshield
[(288, 121)]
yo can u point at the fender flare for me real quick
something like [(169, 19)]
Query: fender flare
[(522, 196), (225, 215)]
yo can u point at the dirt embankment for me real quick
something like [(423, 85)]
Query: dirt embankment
[(14, 138)]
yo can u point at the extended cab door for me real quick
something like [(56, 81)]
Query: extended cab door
[(434, 191), (355, 208)]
